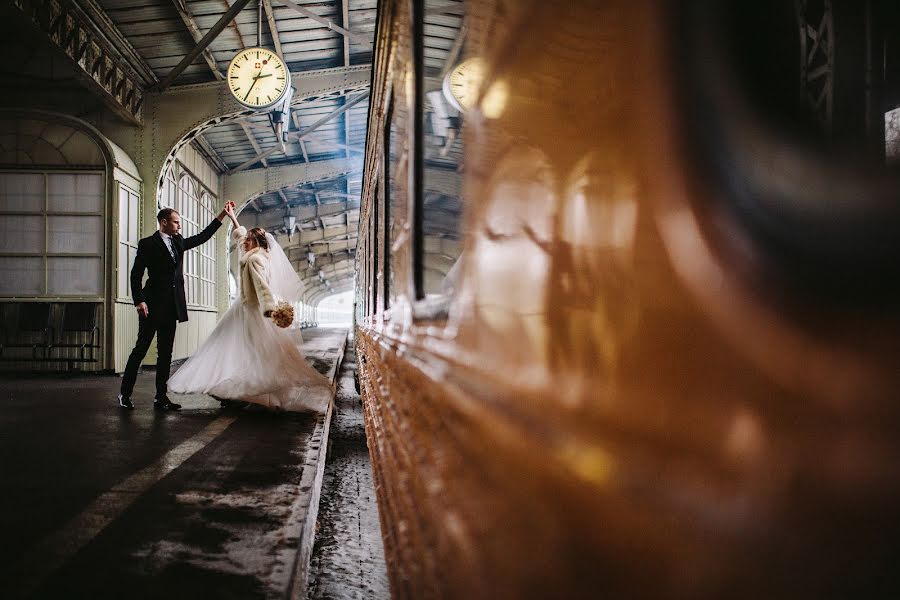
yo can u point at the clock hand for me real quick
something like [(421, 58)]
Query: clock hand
[(251, 87)]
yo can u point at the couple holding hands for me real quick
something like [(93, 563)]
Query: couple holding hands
[(247, 356)]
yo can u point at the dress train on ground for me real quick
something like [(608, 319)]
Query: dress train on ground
[(247, 357)]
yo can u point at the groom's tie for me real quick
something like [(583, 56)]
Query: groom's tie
[(168, 242)]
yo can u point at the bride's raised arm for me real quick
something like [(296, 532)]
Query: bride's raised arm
[(239, 232)]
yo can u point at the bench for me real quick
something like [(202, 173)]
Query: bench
[(79, 321), (25, 325), (66, 332)]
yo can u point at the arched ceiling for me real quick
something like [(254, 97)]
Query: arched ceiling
[(135, 47), (308, 36)]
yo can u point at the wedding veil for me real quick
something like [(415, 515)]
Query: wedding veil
[(283, 280)]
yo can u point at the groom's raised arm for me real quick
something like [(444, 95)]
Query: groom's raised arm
[(203, 236)]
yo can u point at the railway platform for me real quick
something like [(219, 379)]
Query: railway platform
[(206, 502)]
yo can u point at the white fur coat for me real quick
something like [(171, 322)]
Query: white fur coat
[(255, 290)]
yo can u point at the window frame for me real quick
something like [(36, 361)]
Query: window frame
[(200, 280), (386, 201), (46, 214), (425, 307), (124, 240), (416, 152)]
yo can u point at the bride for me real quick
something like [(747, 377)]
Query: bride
[(247, 357)]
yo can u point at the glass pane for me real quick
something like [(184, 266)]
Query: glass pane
[(22, 234), (455, 82), (74, 276), (170, 199), (75, 192), (75, 235), (132, 255), (134, 218), (397, 191), (123, 270), (21, 276), (22, 192), (123, 214)]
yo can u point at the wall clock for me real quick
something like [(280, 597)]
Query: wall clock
[(462, 82), (257, 78)]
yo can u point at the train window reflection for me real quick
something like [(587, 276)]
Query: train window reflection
[(396, 195), (892, 137), (448, 88)]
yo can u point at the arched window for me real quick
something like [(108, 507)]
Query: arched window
[(206, 254), (196, 209)]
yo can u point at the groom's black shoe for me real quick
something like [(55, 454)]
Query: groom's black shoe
[(125, 402), (165, 404)]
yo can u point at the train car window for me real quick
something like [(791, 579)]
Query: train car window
[(399, 175), (373, 253), (363, 275), (448, 79), (387, 197)]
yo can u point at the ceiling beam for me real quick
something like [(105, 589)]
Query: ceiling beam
[(343, 262), (252, 139), (336, 260), (451, 8), (345, 14), (453, 55), (303, 149), (356, 37), (273, 27), (237, 30), (254, 183), (295, 114), (325, 239), (306, 214), (220, 164), (315, 141), (301, 134), (188, 19), (222, 23)]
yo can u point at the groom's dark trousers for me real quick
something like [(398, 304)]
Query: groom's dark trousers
[(166, 303)]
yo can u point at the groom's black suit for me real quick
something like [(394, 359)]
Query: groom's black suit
[(164, 295)]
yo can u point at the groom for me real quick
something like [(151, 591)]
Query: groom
[(161, 303)]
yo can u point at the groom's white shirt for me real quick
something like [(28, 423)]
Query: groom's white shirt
[(168, 240)]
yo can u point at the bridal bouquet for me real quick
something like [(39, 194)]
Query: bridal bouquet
[(283, 315)]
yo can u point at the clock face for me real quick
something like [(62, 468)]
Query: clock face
[(462, 83), (257, 77)]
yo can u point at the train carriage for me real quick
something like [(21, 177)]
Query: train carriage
[(626, 299)]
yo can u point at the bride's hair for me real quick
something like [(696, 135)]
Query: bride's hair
[(258, 234)]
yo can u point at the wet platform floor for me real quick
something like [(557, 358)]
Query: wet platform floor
[(205, 502), (348, 560)]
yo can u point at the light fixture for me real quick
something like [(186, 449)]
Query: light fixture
[(290, 222)]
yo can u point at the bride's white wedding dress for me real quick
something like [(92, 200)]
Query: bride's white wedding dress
[(247, 357)]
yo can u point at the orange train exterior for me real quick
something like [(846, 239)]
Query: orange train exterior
[(616, 399)]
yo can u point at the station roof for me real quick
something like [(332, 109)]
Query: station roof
[(308, 36), (152, 37)]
